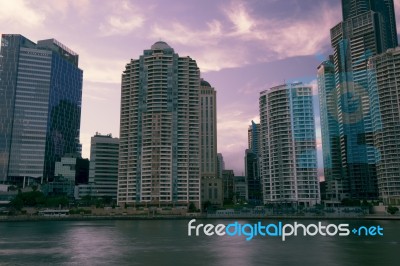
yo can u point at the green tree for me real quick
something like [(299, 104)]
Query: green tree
[(32, 198), (56, 201), (350, 203), (37, 199), (17, 203), (392, 209), (207, 205), (192, 207)]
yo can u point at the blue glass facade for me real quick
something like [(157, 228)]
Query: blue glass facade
[(41, 87), (254, 189), (337, 183), (368, 29)]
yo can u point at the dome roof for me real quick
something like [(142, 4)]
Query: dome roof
[(204, 83), (160, 46)]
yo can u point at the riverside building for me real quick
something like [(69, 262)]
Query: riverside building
[(103, 172), (384, 92), (40, 107), (368, 29), (159, 156), (211, 184), (288, 162)]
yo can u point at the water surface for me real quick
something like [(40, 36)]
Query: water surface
[(165, 242)]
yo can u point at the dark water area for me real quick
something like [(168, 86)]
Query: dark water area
[(166, 242)]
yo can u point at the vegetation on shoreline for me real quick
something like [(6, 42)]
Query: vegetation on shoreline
[(37, 199)]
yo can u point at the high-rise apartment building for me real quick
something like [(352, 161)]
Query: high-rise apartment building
[(368, 28), (336, 183), (103, 171), (40, 106), (383, 11), (159, 156), (384, 91), (288, 161)]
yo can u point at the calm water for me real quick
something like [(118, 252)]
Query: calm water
[(166, 243)]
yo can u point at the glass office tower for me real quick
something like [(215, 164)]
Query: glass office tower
[(40, 106), (254, 190), (336, 182)]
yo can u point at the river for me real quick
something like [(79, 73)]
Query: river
[(166, 242)]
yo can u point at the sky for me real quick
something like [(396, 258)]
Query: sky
[(241, 47)]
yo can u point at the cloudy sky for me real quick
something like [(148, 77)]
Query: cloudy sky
[(241, 47)]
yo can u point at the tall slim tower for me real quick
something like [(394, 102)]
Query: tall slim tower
[(337, 184), (159, 157), (253, 135), (211, 185), (288, 161), (40, 106), (368, 28), (208, 130), (252, 177)]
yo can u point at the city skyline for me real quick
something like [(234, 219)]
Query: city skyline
[(241, 48)]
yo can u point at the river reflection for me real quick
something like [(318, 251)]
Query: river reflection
[(165, 242)]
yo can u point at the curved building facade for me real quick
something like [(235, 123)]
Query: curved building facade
[(288, 162), (384, 92)]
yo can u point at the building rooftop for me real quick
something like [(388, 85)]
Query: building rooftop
[(204, 83), (160, 45)]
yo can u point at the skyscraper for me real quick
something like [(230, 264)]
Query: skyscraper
[(103, 172), (384, 91), (211, 185), (368, 28), (288, 162), (208, 130), (253, 137), (383, 12), (159, 157), (252, 178), (40, 106), (337, 185)]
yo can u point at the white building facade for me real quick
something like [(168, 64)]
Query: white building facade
[(288, 162)]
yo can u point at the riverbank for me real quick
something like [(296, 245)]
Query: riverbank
[(33, 218)]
